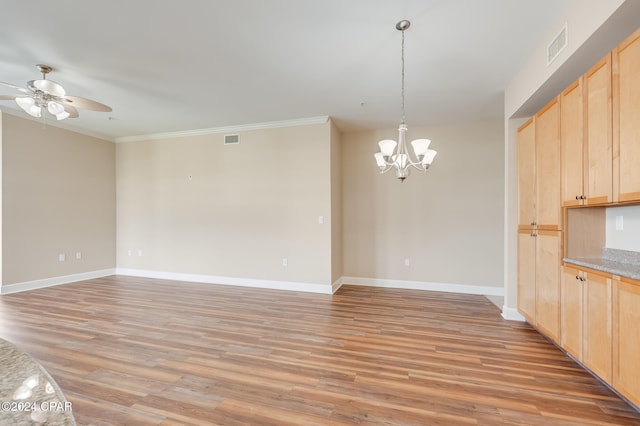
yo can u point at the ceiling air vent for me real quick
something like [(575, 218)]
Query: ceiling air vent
[(556, 46), (231, 139)]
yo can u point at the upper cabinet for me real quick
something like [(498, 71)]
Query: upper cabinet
[(572, 145), (598, 134), (547, 137), (626, 118), (539, 170), (526, 175)]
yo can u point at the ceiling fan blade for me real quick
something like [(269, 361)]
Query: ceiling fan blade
[(79, 102), (10, 97), (13, 86)]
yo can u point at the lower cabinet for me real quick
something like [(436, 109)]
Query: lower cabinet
[(572, 307), (600, 322), (548, 264), (586, 319), (539, 254), (597, 325), (527, 275), (626, 338)]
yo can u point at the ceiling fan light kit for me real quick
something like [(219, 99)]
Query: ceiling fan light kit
[(47, 95), (395, 155)]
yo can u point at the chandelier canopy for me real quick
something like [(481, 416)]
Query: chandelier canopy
[(395, 155)]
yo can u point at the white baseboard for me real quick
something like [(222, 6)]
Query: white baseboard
[(429, 286), (48, 282), (508, 313), (242, 282), (511, 314), (337, 284)]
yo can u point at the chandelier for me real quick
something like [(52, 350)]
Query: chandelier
[(395, 155)]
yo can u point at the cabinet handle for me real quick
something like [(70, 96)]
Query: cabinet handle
[(577, 277), (578, 197)]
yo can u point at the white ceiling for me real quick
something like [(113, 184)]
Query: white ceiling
[(169, 65)]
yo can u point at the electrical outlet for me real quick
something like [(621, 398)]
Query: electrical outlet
[(619, 223), (407, 262), (78, 255), (62, 257), (285, 262)]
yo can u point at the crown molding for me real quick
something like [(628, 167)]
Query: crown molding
[(226, 129)]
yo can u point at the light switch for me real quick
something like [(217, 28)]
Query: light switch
[(619, 223)]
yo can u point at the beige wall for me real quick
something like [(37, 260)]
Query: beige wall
[(58, 196), (448, 223), (244, 209)]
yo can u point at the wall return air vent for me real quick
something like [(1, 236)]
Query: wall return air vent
[(556, 45), (231, 139)]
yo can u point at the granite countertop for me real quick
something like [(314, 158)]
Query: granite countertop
[(616, 262), (28, 394)]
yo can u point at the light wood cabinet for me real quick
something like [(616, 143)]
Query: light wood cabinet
[(548, 259), (587, 319), (598, 134), (526, 176), (576, 157), (547, 167), (539, 170), (572, 302), (540, 220), (539, 253), (626, 118), (572, 151), (626, 338), (597, 349), (527, 275)]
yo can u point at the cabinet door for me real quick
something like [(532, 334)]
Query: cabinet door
[(627, 117), (571, 145), (598, 135), (526, 175), (548, 249), (527, 275), (547, 137), (626, 319), (571, 311), (597, 351)]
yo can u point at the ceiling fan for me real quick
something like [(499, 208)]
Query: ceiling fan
[(47, 95)]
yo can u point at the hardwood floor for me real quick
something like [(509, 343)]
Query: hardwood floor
[(132, 351)]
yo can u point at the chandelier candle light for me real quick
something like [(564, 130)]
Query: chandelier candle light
[(399, 159)]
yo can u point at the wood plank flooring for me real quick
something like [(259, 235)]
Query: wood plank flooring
[(133, 351)]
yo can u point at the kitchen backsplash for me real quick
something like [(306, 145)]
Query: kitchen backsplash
[(623, 228)]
